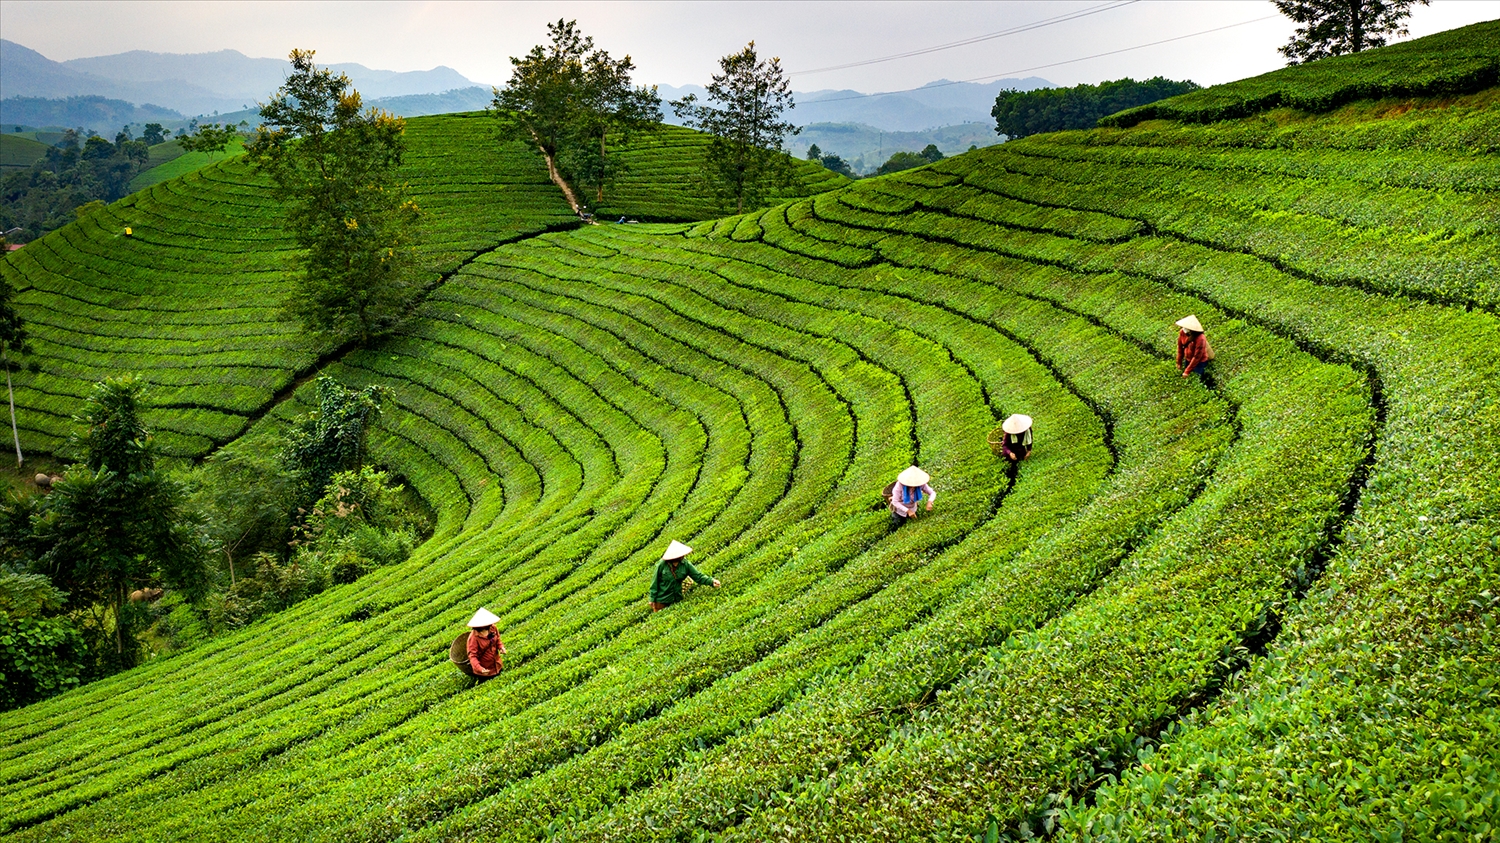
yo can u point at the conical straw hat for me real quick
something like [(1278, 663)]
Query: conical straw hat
[(1016, 423), (1191, 323), (912, 477), (483, 618), (676, 550)]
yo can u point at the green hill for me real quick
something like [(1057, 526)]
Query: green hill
[(168, 161), (1258, 605), (661, 182), (1459, 61), (193, 291), (18, 152)]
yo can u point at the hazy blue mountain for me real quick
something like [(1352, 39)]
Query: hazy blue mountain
[(223, 81), (410, 105), (236, 75), (940, 103), (447, 102), (99, 114), (867, 147), (27, 73)]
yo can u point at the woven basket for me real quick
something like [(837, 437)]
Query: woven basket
[(996, 440), (458, 653)]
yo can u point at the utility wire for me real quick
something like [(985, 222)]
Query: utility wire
[(1043, 66), (1075, 15)]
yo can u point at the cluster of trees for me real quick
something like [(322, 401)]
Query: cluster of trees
[(1021, 113), (211, 138), (570, 100), (898, 161), (75, 172), (930, 154), (263, 524), (830, 161)]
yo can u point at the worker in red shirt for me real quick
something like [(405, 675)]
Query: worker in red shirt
[(485, 646), (1193, 350)]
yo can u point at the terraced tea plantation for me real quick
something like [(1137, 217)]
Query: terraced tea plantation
[(1256, 605), (186, 278), (661, 182)]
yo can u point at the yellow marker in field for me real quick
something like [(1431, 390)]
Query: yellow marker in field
[(127, 231)]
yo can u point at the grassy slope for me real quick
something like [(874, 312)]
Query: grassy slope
[(18, 152), (1458, 61), (570, 402), (195, 287), (660, 182), (168, 161)]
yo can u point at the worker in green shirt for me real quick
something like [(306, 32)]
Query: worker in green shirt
[(666, 586)]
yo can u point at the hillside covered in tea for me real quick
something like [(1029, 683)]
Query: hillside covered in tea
[(1257, 605)]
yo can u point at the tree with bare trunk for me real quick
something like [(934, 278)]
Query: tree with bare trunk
[(568, 98)]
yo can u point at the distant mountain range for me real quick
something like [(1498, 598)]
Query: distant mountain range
[(940, 103), (104, 93), (192, 84), (866, 147)]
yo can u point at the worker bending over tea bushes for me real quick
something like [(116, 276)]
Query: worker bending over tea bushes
[(1193, 350), (666, 586), (485, 646), (912, 486), (1017, 443)]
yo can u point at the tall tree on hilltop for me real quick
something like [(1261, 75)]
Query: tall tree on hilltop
[(336, 163), (1339, 27), (745, 159), (564, 98)]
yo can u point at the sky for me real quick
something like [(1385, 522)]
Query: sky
[(679, 43)]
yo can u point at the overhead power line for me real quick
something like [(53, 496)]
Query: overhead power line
[(1044, 66), (1075, 15)]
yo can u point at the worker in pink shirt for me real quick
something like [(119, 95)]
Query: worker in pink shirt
[(912, 487)]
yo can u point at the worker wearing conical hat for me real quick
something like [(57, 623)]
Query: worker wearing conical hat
[(485, 646), (666, 586), (1017, 443), (1193, 350), (912, 487)]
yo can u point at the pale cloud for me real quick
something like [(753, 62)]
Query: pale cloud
[(680, 42)]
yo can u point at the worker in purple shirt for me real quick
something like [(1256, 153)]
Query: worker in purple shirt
[(1017, 443), (911, 488)]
